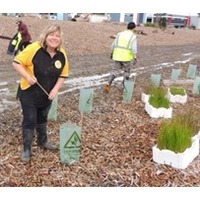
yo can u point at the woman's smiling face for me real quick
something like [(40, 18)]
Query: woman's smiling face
[(53, 40)]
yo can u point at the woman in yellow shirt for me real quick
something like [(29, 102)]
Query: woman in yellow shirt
[(43, 66)]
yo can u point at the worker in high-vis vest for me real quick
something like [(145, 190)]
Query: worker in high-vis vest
[(14, 44), (124, 54)]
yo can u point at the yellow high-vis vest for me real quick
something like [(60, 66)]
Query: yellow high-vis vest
[(17, 40), (123, 46)]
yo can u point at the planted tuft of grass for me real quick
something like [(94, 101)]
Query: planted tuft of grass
[(174, 135), (158, 98), (177, 91)]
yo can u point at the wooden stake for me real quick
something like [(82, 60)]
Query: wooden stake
[(46, 92), (43, 89), (81, 122)]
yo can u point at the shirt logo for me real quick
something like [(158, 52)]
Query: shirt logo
[(58, 64)]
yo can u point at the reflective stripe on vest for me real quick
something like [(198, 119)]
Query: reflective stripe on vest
[(123, 47), (18, 40)]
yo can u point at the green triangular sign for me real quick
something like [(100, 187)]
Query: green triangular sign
[(73, 142)]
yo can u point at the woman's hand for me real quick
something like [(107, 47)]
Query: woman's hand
[(53, 94), (31, 80)]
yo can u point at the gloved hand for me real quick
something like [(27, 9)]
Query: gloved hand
[(135, 61)]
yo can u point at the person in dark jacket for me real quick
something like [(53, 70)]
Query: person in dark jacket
[(25, 36)]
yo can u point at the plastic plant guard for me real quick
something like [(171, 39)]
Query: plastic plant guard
[(191, 73), (155, 79), (53, 110), (175, 74), (70, 142), (86, 100), (196, 86), (128, 90)]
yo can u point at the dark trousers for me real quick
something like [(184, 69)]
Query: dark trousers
[(32, 115)]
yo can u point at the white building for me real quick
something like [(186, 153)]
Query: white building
[(138, 18)]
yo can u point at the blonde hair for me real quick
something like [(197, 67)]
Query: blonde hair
[(46, 32)]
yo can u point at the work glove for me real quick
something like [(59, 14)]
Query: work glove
[(135, 61)]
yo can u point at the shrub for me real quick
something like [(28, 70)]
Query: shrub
[(163, 22), (158, 98)]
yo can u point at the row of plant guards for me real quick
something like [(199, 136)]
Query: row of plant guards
[(175, 134), (70, 134)]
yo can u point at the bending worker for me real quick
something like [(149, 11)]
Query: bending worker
[(25, 39)]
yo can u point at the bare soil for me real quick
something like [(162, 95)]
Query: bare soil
[(116, 138)]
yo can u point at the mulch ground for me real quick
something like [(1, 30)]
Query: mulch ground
[(116, 137)]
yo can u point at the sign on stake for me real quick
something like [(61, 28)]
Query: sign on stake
[(155, 79), (86, 100), (196, 86), (70, 143), (175, 74), (191, 73), (128, 90)]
